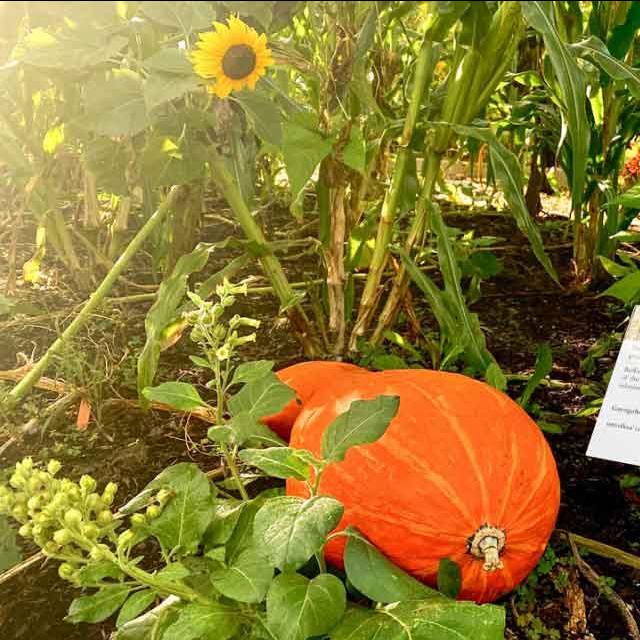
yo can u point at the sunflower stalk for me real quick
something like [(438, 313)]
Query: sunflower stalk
[(95, 300), (289, 301)]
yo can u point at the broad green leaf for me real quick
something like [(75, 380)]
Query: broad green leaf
[(246, 579), (449, 578), (135, 605), (623, 34), (99, 606), (467, 323), (188, 513), (260, 11), (13, 155), (626, 290), (10, 553), (115, 105), (226, 514), (70, 49), (378, 578), (595, 50), (264, 114), (243, 428), (160, 88), (544, 363), (303, 150), (214, 621), (280, 462), (166, 162), (630, 198), (179, 395), (509, 177), (262, 397), (355, 152), (174, 571), (169, 60), (184, 17), (441, 619), (251, 371), (364, 422), (615, 269), (572, 84), (291, 530), (92, 574), (299, 608), (152, 624), (164, 311)]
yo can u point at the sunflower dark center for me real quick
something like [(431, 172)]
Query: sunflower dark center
[(239, 61)]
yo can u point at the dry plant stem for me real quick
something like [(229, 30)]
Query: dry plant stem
[(370, 295), (91, 206), (21, 566), (596, 580), (95, 299), (335, 267), (270, 263), (604, 550), (11, 262), (51, 411)]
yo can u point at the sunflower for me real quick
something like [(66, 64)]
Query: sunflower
[(234, 55)]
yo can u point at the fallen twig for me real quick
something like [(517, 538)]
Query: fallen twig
[(21, 566), (596, 580), (604, 550)]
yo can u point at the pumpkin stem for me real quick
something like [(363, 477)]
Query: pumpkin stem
[(487, 543)]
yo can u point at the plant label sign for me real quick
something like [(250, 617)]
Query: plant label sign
[(617, 432)]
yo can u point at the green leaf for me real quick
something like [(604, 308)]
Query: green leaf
[(291, 530), (260, 11), (246, 579), (299, 608), (252, 371), (626, 290), (184, 17), (355, 152), (70, 49), (262, 397), (264, 114), (226, 514), (214, 621), (509, 177), (115, 104), (495, 377), (108, 160), (303, 150), (364, 422), (99, 606), (630, 198), (467, 324), (280, 462), (595, 50), (174, 571), (615, 269), (188, 513), (441, 619), (166, 162), (164, 311), (544, 363), (92, 574), (449, 578), (169, 60), (179, 395), (572, 84), (10, 553), (377, 577), (135, 605), (242, 428), (160, 88), (152, 624)]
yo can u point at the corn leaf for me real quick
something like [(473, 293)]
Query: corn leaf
[(572, 85)]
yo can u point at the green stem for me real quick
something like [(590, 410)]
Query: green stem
[(231, 463), (270, 263), (424, 69), (94, 301)]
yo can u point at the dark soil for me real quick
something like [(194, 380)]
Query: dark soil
[(521, 308)]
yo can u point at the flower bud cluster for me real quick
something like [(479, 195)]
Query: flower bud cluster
[(66, 519), (217, 340)]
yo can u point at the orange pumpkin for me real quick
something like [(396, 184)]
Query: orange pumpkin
[(305, 378), (462, 472)]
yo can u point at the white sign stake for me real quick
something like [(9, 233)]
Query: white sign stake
[(617, 432)]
